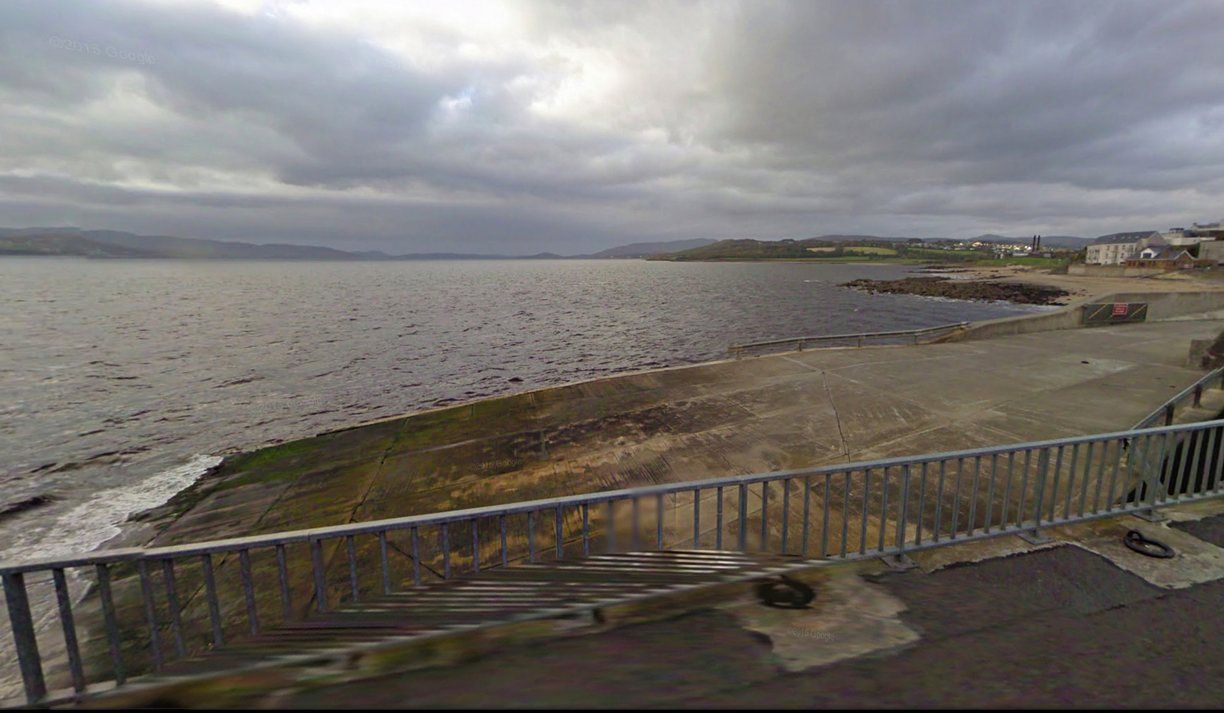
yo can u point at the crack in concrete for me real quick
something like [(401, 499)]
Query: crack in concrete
[(836, 416)]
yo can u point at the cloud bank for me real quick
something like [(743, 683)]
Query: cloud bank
[(519, 127)]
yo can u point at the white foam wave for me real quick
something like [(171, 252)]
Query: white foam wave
[(100, 518)]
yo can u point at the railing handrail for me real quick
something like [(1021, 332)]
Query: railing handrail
[(464, 515), (1181, 396), (856, 335)]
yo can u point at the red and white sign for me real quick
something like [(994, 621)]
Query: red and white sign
[(1120, 309)]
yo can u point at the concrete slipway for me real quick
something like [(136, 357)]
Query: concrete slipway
[(776, 412)]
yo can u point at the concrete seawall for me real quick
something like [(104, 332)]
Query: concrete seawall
[(1162, 306)]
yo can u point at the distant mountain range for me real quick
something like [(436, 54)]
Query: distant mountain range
[(70, 241), (649, 249), (117, 244)]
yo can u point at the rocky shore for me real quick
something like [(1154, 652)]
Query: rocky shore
[(1018, 292)]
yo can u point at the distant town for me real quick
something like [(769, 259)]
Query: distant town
[(1201, 245)]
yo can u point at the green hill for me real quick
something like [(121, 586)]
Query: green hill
[(64, 244), (864, 247)]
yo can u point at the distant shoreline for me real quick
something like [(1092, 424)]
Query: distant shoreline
[(171, 258), (856, 260)]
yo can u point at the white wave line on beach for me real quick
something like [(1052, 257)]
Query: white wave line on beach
[(109, 509), (84, 528), (100, 518)]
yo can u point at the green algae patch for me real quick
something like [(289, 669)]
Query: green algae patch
[(325, 452), (506, 414)]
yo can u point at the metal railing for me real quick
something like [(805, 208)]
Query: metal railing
[(152, 605), (902, 336), (1193, 393)]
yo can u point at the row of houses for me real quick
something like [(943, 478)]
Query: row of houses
[(1177, 248)]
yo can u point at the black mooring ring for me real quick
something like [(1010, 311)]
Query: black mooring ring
[(1148, 547), (785, 593)]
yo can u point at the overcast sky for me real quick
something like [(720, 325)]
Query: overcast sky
[(517, 127)]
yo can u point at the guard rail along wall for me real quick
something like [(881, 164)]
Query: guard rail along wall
[(904, 336), (118, 613)]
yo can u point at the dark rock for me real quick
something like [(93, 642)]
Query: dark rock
[(29, 503), (963, 289)]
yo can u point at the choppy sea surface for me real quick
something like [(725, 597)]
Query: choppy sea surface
[(123, 381)]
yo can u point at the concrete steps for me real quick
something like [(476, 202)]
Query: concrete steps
[(494, 597)]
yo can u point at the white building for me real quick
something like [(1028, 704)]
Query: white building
[(1117, 248)]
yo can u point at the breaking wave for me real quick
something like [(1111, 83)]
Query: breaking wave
[(98, 519)]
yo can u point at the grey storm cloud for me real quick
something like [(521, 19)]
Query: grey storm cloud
[(519, 127)]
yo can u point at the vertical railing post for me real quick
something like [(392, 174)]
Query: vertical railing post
[(476, 544), (172, 606), (903, 514), (320, 579), (1152, 479), (764, 516), (742, 539), (150, 611), (635, 538), (350, 551), (415, 537), (501, 528), (64, 600), (383, 560), (807, 513), (248, 590), (282, 576), (696, 521), (1034, 536), (610, 535), (659, 519), (1043, 468), (586, 532), (444, 545), (531, 549), (110, 622), (785, 513), (24, 639), (210, 595), (1168, 413)]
